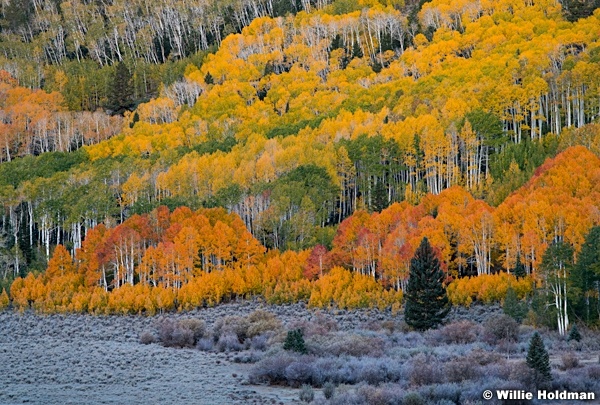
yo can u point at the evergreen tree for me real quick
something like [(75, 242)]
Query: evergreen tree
[(426, 299), (356, 50), (585, 277), (208, 79), (574, 334), (380, 196), (295, 341), (120, 95), (576, 9), (539, 360), (519, 270), (513, 307)]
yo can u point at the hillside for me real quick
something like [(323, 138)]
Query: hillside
[(294, 154)]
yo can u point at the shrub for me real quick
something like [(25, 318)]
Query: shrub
[(425, 370), (303, 371), (147, 338), (413, 398), (569, 361), (461, 332), (229, 343), (271, 369), (501, 327), (247, 357), (460, 369), (594, 372), (260, 322), (329, 390), (306, 393), (379, 395), (172, 334), (205, 344), (295, 341), (483, 357), (236, 325), (354, 345), (259, 342), (442, 393), (196, 326)]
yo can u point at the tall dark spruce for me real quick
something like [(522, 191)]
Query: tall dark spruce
[(427, 303), (539, 360), (120, 95)]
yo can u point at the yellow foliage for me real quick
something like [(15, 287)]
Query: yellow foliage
[(4, 300), (487, 288), (345, 289)]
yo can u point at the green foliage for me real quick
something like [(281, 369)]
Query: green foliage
[(585, 276), (573, 10), (519, 270), (540, 314), (288, 129), (304, 196), (513, 307), (527, 156), (427, 303), (17, 14), (295, 342), (487, 126), (120, 95), (539, 360), (574, 334), (18, 171), (375, 159)]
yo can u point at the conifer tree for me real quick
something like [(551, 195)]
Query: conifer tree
[(295, 341), (512, 306), (584, 278), (539, 360), (120, 95), (519, 270), (427, 303), (574, 334)]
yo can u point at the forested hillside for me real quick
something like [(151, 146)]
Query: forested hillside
[(192, 152)]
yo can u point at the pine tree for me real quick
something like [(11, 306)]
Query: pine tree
[(208, 79), (120, 95), (380, 196), (574, 334), (539, 360), (519, 270), (356, 50), (295, 342), (584, 278), (426, 299), (512, 306)]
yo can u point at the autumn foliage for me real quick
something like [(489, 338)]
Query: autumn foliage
[(186, 259)]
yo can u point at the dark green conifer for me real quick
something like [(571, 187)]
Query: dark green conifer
[(539, 360), (584, 278), (208, 79), (295, 342), (356, 50), (513, 307), (380, 196), (574, 334), (519, 270), (427, 303), (120, 94)]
